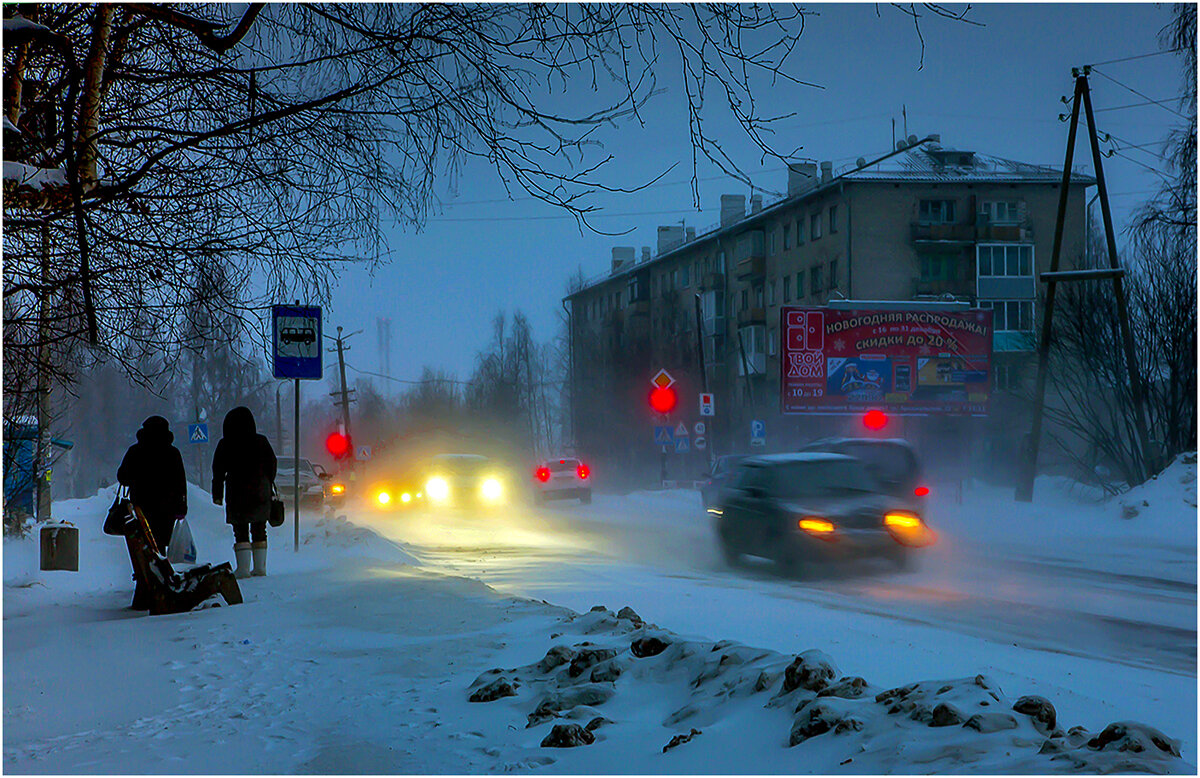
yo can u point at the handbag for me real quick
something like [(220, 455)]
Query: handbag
[(275, 519), (118, 513)]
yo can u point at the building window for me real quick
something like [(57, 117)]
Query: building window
[(1010, 315), (787, 289), (816, 283), (935, 267), (1000, 211), (745, 299), (814, 227), (833, 276), (684, 281), (753, 344), (800, 231), (936, 211), (770, 243), (758, 296), (1005, 377), (772, 340), (771, 294), (1005, 260), (833, 223), (799, 284), (787, 236)]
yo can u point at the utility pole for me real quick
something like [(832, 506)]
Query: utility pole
[(1024, 492), (41, 469)]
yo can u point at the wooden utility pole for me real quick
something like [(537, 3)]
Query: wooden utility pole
[(41, 468), (1114, 272)]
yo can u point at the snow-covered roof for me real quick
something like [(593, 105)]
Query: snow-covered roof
[(17, 22), (33, 177), (789, 459)]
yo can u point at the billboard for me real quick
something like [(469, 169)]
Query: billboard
[(905, 362)]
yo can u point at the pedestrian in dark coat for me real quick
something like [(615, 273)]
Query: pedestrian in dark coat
[(153, 471), (243, 474)]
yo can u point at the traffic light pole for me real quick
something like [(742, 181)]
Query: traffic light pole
[(296, 472)]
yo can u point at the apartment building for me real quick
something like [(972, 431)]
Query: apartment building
[(927, 222)]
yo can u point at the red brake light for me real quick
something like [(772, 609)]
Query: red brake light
[(583, 471), (921, 491), (543, 474)]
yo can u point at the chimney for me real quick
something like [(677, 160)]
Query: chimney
[(733, 208), (689, 234), (645, 253), (826, 172), (801, 176), (622, 256), (755, 203), (669, 237)]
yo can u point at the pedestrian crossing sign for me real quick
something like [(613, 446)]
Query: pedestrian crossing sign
[(198, 433)]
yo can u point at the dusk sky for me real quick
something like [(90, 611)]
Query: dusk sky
[(993, 88)]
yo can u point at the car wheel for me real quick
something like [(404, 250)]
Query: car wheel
[(901, 558), (586, 497)]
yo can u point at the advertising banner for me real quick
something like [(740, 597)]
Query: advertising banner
[(905, 362)]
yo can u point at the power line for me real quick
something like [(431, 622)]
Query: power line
[(1159, 103), (588, 215), (1131, 105), (1135, 56)]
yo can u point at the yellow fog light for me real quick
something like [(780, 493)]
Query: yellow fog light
[(901, 520), (384, 498), (816, 526), (437, 489), (337, 488), (491, 489), (406, 497)]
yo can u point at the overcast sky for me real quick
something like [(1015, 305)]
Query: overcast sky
[(993, 88)]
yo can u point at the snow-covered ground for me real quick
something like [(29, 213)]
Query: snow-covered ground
[(358, 654)]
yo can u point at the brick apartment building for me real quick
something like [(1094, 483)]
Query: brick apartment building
[(925, 223)]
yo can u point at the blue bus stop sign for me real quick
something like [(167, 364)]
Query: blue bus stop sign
[(296, 337)]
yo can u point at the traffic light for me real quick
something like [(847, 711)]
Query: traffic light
[(875, 419), (663, 399), (338, 445)]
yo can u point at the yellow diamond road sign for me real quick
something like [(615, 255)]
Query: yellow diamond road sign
[(662, 379)]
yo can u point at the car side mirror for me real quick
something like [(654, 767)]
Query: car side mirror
[(324, 476)]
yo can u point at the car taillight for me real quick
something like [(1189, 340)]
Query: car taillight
[(921, 491), (543, 474), (583, 471)]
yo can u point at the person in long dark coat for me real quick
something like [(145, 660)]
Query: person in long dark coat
[(153, 471), (243, 472)]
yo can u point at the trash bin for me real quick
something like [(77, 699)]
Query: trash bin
[(60, 547)]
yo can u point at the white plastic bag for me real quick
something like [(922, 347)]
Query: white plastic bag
[(182, 548)]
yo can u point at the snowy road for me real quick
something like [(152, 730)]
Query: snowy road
[(1061, 613)]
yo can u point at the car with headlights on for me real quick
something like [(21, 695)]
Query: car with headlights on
[(799, 509), (465, 480), (562, 478), (893, 462), (312, 488)]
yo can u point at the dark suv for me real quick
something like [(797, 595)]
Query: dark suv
[(800, 508), (892, 462), (723, 469)]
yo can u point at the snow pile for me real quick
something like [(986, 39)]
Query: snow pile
[(336, 532), (1163, 496), (34, 177), (625, 687)]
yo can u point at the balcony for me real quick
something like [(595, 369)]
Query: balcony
[(712, 281), (750, 316), (924, 286), (985, 231), (751, 267), (639, 308), (956, 234)]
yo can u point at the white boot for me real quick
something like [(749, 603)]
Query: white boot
[(241, 552), (260, 558)]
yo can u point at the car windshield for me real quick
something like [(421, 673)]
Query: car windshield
[(725, 464), (460, 465), (286, 466), (820, 479), (890, 463), (560, 465)]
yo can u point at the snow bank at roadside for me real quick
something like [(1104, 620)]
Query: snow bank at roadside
[(633, 692)]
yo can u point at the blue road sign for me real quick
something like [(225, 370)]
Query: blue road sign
[(758, 432), (681, 445), (296, 351), (664, 435), (198, 433)]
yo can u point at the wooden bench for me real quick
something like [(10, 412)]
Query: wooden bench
[(170, 591)]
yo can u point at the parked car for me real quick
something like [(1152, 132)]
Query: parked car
[(562, 478), (334, 487), (718, 478), (809, 507), (312, 488), (893, 462)]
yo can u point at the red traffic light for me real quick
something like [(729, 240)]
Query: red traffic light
[(663, 399), (337, 444), (875, 420)]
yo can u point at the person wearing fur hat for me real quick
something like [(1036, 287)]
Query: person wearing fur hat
[(243, 469), (153, 471)]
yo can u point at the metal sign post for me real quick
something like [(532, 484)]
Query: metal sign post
[(296, 354)]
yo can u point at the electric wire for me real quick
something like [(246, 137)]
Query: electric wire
[(1135, 56), (1159, 103)]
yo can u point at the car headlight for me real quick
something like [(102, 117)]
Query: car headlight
[(437, 489), (491, 489), (337, 489), (383, 498), (406, 497)]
